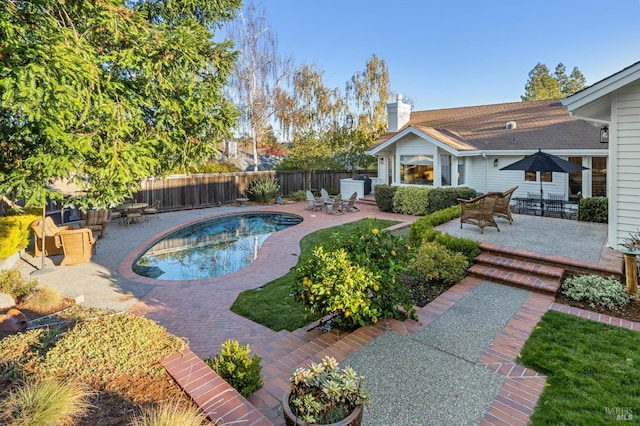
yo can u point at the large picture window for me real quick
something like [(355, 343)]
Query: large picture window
[(416, 169)]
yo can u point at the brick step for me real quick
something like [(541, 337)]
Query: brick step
[(520, 265), (510, 277)]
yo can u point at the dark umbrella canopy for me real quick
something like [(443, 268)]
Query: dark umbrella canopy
[(543, 162)]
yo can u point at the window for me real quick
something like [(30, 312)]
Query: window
[(416, 169), (461, 173), (445, 170), (533, 176), (599, 177)]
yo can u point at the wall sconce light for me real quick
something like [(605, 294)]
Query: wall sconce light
[(495, 163), (381, 160), (604, 134)]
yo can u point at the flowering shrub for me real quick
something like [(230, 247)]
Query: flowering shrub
[(333, 284), (596, 290), (324, 393), (354, 277)]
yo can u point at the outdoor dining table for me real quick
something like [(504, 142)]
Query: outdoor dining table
[(546, 207), (132, 212)]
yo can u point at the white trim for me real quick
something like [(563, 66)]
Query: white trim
[(603, 87)]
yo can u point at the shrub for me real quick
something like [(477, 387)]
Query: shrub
[(169, 415), (425, 224), (384, 197), (300, 195), (434, 262), (385, 255), (43, 299), (44, 403), (263, 190), (470, 249), (15, 231), (237, 368), (442, 198), (329, 283), (594, 209), (596, 290), (12, 282), (412, 200)]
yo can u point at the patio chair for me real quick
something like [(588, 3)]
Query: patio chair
[(78, 245), (50, 232), (153, 209), (502, 208), (335, 207), (314, 203), (325, 196), (478, 211), (96, 220), (350, 205)]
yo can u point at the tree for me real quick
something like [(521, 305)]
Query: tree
[(257, 76), (108, 92), (542, 85)]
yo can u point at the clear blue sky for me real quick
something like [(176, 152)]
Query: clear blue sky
[(450, 53)]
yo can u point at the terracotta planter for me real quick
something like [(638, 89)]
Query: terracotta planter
[(290, 419)]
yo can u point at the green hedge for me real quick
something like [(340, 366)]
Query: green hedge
[(411, 200), (384, 197), (442, 198), (594, 209)]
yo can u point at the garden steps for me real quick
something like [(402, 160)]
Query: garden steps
[(518, 272)]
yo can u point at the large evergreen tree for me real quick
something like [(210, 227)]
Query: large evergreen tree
[(543, 85), (108, 92)]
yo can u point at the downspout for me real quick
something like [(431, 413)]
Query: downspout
[(486, 172)]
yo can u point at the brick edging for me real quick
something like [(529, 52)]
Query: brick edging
[(221, 402)]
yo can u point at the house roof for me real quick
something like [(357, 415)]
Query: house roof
[(542, 125)]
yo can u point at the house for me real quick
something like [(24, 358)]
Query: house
[(467, 146), (614, 102)]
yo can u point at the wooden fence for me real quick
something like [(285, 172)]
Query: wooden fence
[(183, 192)]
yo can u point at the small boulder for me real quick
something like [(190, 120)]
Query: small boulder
[(6, 301), (13, 321)]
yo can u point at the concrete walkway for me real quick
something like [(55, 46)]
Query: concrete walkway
[(456, 365)]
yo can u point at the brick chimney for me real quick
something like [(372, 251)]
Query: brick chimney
[(399, 114)]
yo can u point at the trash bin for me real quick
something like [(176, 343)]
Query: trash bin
[(367, 183)]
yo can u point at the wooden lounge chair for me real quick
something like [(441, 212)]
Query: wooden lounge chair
[(478, 211), (50, 232), (502, 208), (96, 220), (350, 205), (335, 207), (314, 203), (77, 245)]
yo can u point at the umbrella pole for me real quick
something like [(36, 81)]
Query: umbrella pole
[(541, 197)]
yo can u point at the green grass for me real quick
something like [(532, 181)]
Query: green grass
[(273, 304), (593, 371)]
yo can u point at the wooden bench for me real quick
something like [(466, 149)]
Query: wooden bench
[(479, 211)]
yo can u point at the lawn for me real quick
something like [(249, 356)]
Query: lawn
[(273, 304), (593, 371)]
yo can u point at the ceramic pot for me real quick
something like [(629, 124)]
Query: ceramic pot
[(290, 419)]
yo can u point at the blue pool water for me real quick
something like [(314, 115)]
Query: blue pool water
[(211, 248)]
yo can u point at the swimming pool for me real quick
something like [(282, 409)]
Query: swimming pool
[(211, 248)]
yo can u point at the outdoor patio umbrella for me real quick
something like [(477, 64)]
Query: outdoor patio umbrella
[(543, 162)]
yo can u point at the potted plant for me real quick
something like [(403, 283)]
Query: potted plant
[(325, 394)]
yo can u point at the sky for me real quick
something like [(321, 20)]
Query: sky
[(453, 53)]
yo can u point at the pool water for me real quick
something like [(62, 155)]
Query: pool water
[(211, 248)]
